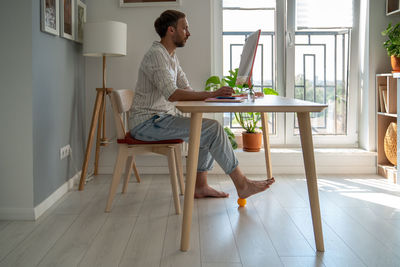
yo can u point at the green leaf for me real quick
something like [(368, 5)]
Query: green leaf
[(213, 80), (269, 91), (392, 45)]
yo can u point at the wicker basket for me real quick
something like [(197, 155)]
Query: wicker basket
[(390, 143)]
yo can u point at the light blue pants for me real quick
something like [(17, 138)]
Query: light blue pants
[(214, 143)]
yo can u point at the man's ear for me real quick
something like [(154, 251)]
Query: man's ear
[(171, 29)]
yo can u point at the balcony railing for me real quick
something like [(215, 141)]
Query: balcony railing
[(321, 73)]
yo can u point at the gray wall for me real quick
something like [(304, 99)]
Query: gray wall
[(16, 165), (58, 108)]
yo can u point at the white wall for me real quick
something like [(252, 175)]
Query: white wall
[(195, 57), (373, 60)]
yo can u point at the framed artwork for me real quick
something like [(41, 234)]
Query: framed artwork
[(50, 21), (138, 3), (67, 17), (80, 20)]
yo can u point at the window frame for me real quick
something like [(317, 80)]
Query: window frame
[(284, 55)]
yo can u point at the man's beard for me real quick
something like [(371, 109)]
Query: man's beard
[(180, 43)]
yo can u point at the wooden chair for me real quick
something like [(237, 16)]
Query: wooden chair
[(121, 102)]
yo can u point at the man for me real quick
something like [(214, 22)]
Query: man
[(161, 81)]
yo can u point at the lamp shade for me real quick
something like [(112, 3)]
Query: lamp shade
[(106, 38)]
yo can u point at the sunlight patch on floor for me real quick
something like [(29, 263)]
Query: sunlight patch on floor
[(377, 198), (334, 186), (377, 183)]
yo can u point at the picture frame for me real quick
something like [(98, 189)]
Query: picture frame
[(67, 19), (80, 20), (50, 12), (146, 3)]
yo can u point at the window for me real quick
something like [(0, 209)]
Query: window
[(306, 56), (234, 34)]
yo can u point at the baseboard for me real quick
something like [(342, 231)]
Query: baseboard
[(29, 214), (56, 195), (284, 161)]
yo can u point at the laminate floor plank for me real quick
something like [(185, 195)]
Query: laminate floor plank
[(172, 256), (221, 264), (380, 196), (285, 236), (13, 234), (3, 224), (76, 201), (336, 214), (71, 247), (217, 240), (387, 234), (254, 245), (302, 262), (145, 245), (354, 235), (36, 245), (286, 196), (109, 244), (130, 203), (337, 253)]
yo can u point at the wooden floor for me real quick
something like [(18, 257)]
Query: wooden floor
[(361, 225)]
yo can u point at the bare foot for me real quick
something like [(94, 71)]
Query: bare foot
[(253, 187), (207, 191)]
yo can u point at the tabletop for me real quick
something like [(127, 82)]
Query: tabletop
[(269, 103)]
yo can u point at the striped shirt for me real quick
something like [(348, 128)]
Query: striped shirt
[(159, 76)]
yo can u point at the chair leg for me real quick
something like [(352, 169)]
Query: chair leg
[(174, 182), (135, 169), (128, 171), (179, 168), (121, 158)]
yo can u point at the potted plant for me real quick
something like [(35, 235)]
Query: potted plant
[(251, 137), (392, 45)]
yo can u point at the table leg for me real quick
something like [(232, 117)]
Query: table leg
[(191, 170), (264, 123), (311, 176)]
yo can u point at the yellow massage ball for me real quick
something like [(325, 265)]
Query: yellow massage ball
[(242, 202)]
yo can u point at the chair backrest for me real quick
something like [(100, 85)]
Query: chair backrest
[(121, 102)]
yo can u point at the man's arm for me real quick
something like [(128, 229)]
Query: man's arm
[(189, 94)]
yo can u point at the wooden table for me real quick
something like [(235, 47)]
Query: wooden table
[(269, 103)]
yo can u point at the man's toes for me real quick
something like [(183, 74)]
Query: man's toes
[(223, 194), (270, 181)]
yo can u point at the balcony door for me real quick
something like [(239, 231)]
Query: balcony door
[(304, 53)]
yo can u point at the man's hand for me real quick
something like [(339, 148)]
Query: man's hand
[(190, 95), (224, 91)]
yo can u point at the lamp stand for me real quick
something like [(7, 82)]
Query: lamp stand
[(99, 121)]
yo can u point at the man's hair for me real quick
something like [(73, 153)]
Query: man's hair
[(166, 19)]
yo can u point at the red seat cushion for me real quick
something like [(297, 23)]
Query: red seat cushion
[(132, 141)]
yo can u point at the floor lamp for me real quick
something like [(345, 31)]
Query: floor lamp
[(101, 39)]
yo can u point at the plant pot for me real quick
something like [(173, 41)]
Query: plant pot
[(395, 63), (251, 141)]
